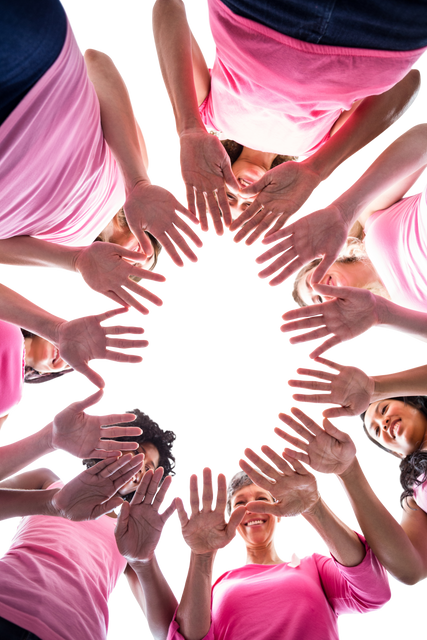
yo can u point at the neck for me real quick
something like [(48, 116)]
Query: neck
[(263, 555), (260, 158)]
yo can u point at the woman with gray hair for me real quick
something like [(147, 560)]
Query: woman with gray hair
[(303, 597)]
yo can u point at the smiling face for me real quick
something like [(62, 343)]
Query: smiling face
[(359, 274), (118, 232), (399, 427), (43, 356), (151, 461), (256, 529)]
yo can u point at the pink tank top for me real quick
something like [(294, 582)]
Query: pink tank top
[(11, 366), (58, 179), (274, 93)]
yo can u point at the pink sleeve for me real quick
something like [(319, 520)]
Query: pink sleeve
[(359, 589), (174, 634)]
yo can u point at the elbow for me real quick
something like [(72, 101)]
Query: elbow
[(96, 59)]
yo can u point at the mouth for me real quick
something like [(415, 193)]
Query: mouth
[(55, 356), (244, 182), (255, 522), (394, 426)]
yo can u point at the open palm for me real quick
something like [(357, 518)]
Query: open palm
[(328, 450), (207, 530)]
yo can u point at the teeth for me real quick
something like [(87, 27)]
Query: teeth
[(254, 522)]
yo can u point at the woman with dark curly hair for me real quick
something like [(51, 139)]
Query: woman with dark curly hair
[(301, 78), (399, 426)]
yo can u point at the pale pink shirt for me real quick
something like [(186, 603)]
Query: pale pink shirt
[(396, 243), (285, 602), (58, 179), (420, 495), (11, 366), (274, 93), (57, 576)]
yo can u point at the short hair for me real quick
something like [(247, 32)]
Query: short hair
[(239, 480), (152, 433), (234, 149), (413, 467), (32, 376)]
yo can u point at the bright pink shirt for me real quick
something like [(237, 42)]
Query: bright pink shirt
[(292, 603), (396, 243), (274, 93), (58, 179), (57, 576), (11, 366), (420, 495)]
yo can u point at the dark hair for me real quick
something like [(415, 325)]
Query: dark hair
[(239, 480), (151, 432), (157, 247), (413, 468), (31, 376), (234, 149)]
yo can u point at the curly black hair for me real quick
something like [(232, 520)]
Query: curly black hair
[(151, 432), (413, 468)]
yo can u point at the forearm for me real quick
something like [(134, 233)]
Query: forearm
[(117, 118), (159, 601), (28, 251), (384, 535), (194, 611), (373, 116), (343, 543), (16, 456), (20, 311), (18, 503), (174, 49), (412, 382), (407, 320)]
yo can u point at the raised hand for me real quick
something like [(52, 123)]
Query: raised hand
[(93, 493), (206, 169), (106, 267), (84, 339), (350, 387), (295, 490), (281, 192), (351, 312), (321, 234), (140, 524), (206, 530), (81, 435), (328, 450), (151, 208)]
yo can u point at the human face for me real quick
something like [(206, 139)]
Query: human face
[(246, 173), (151, 461), (349, 274), (120, 234), (43, 356), (399, 427), (256, 529)]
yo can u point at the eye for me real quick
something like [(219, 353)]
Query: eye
[(319, 300), (236, 504), (384, 409), (377, 432), (231, 199), (263, 498)]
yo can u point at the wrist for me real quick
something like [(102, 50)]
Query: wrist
[(315, 507), (137, 181), (139, 565), (192, 127), (349, 471), (203, 561), (48, 506)]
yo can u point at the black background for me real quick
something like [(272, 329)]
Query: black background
[(216, 371)]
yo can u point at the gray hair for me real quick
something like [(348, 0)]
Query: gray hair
[(239, 480)]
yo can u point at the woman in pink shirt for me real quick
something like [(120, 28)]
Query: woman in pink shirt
[(275, 90), (269, 598), (399, 426)]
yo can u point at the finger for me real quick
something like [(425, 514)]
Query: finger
[(117, 418), (304, 312), (311, 335), (263, 507), (161, 493), (125, 473), (329, 363), (179, 207), (183, 226), (118, 330), (289, 270), (141, 489), (310, 384), (194, 495), (334, 432), (182, 514), (181, 244), (229, 177), (296, 442), (116, 356), (110, 314), (256, 187), (202, 210), (299, 468), (224, 206), (280, 247), (307, 421), (268, 220), (284, 261), (122, 343), (135, 287), (317, 398), (279, 224), (264, 466), (322, 268), (274, 236), (169, 511), (90, 374), (207, 495), (103, 453), (318, 373), (275, 458), (215, 212), (336, 292), (236, 518), (328, 344), (155, 478), (109, 445), (255, 476), (221, 497), (81, 405), (147, 250), (292, 455), (256, 209), (338, 412), (122, 521), (190, 199), (140, 272), (144, 240), (171, 251), (305, 323), (118, 432), (252, 224)]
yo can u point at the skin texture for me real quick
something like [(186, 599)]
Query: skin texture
[(399, 427), (43, 356)]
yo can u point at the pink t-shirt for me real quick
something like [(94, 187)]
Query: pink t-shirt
[(274, 93), (57, 576), (420, 496), (292, 603), (11, 366), (396, 243), (58, 179)]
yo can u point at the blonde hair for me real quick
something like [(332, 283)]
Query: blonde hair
[(352, 251)]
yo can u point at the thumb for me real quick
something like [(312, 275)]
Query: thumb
[(256, 187), (106, 507), (182, 514), (337, 412), (332, 431), (122, 521), (235, 519), (322, 268), (336, 292), (229, 176), (90, 374), (89, 401)]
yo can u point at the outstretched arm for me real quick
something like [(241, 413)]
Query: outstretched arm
[(295, 491), (401, 549), (138, 531)]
